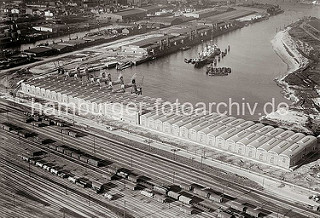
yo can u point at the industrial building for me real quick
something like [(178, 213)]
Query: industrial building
[(127, 15), (249, 140)]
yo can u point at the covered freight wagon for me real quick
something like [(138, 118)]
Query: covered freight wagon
[(174, 195), (147, 193), (185, 199)]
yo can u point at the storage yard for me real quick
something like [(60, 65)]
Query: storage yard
[(55, 153)]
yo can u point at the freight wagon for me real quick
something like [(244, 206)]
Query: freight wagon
[(94, 161), (133, 177), (73, 134), (25, 133), (174, 195), (124, 173), (185, 186), (6, 126), (160, 198), (130, 185), (186, 210), (160, 189), (147, 193), (216, 198), (146, 184), (97, 186), (205, 205), (185, 199), (65, 131), (83, 182)]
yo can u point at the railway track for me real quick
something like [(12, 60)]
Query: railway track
[(118, 151), (132, 201)]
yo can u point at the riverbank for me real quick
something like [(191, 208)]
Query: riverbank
[(297, 85)]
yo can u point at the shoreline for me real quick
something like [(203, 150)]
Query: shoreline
[(294, 117), (285, 48)]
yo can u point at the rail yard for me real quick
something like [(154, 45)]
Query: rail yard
[(48, 147)]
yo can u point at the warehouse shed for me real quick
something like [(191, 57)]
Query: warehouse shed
[(275, 132), (262, 151), (242, 144), (202, 134), (245, 125), (184, 130), (285, 135), (251, 148), (255, 127), (212, 135), (221, 139), (167, 125), (273, 153), (194, 130), (159, 122), (177, 125), (231, 142)]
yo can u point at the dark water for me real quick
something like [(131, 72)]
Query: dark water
[(252, 59)]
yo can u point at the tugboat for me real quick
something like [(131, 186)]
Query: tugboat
[(218, 71), (206, 56), (122, 66)]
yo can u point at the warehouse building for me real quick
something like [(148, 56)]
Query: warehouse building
[(184, 130), (221, 139), (242, 144), (285, 135), (245, 125), (231, 142), (193, 132), (262, 151), (255, 141), (211, 136), (251, 148), (202, 134), (273, 153)]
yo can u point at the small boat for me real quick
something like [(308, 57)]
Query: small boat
[(218, 71), (188, 61), (122, 66)]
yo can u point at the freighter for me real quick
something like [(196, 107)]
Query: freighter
[(206, 56)]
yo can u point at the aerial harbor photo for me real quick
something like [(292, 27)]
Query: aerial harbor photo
[(159, 108)]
